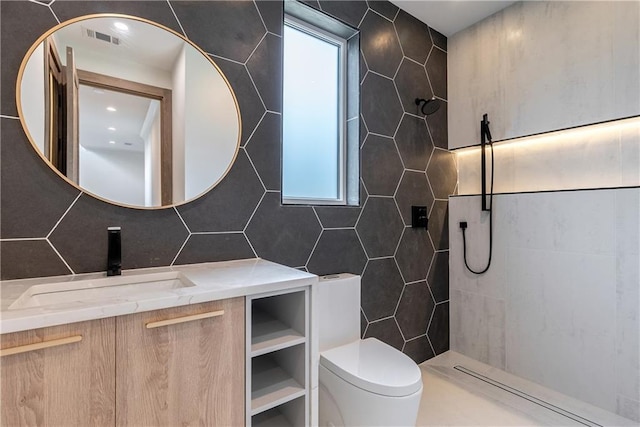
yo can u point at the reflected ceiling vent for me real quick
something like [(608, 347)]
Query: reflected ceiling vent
[(101, 36)]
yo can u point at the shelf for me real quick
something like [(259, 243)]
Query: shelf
[(271, 418), (271, 386), (269, 334)]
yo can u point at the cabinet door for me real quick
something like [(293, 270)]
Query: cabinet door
[(178, 367), (59, 376)]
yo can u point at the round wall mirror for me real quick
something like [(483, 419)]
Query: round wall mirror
[(128, 111)]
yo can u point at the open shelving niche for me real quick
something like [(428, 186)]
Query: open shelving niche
[(278, 359)]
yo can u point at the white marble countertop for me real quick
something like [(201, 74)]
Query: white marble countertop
[(210, 281)]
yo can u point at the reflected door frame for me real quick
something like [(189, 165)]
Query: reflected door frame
[(163, 95), (55, 107)]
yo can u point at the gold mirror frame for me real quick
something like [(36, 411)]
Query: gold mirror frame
[(37, 43)]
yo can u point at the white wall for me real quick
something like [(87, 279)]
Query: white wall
[(32, 93), (560, 303), (114, 175), (541, 66)]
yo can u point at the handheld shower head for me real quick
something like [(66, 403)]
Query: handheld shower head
[(486, 132), (429, 106)]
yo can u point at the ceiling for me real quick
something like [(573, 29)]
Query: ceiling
[(449, 17)]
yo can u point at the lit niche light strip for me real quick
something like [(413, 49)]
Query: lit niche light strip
[(595, 131), (596, 156)]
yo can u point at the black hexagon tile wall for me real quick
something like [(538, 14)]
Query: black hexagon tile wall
[(49, 228)]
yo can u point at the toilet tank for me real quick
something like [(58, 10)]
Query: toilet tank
[(338, 305)]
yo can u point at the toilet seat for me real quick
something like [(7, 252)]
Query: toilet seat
[(374, 366)]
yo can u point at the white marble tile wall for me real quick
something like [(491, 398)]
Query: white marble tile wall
[(560, 304), (599, 156), (538, 66)]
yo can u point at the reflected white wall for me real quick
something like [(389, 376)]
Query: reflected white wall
[(115, 175), (32, 88), (211, 125), (178, 100), (152, 136)]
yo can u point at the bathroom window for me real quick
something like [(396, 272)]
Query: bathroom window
[(319, 161)]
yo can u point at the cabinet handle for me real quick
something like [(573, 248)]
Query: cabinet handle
[(184, 319), (39, 345)]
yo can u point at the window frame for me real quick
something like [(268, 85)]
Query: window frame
[(342, 44)]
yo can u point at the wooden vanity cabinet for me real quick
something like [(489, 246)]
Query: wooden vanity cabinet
[(61, 375), (182, 366)]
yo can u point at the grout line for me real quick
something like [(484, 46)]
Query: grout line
[(224, 58), (58, 253), (379, 135), (380, 258), (53, 13), (395, 16), (363, 248), (364, 77), (177, 20), (366, 328), (395, 310), (315, 245), (414, 338), (400, 329), (380, 320), (260, 15), (209, 233), (255, 48), (427, 72), (63, 215), (417, 116), (381, 15), (381, 75), (313, 208), (254, 212), (23, 239), (255, 87), (180, 250), (255, 253), (182, 219), (395, 30), (255, 128), (430, 345), (415, 62), (246, 153), (364, 315)]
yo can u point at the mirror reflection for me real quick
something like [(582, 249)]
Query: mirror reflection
[(129, 111)]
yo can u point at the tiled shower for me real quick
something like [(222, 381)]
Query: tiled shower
[(560, 305)]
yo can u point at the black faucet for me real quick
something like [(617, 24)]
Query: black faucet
[(114, 254)]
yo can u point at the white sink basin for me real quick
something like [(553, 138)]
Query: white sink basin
[(101, 289)]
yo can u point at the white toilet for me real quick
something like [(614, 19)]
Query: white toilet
[(361, 382)]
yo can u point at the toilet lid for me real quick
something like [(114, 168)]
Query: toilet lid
[(374, 366)]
